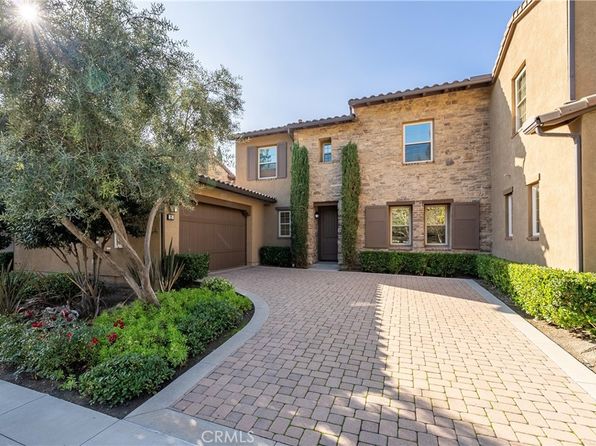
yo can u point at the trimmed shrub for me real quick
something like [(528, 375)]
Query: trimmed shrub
[(350, 202), (57, 287), (124, 377), (419, 263), (6, 260), (299, 205), (276, 256), (196, 266), (217, 284)]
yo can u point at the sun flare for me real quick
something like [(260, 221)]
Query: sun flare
[(28, 13)]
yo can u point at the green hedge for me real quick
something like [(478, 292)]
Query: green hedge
[(419, 263), (6, 259), (299, 205), (276, 256), (350, 202), (564, 298), (196, 266)]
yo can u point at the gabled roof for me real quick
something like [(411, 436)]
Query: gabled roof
[(224, 185), (483, 80), (297, 125), (561, 115)]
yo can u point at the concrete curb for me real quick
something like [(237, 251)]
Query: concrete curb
[(579, 373), (156, 412)]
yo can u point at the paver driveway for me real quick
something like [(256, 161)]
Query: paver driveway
[(378, 359)]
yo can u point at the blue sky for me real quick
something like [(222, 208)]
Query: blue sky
[(304, 60)]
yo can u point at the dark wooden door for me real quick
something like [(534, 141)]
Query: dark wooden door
[(328, 233), (220, 231)]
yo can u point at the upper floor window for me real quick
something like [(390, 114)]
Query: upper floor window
[(418, 142), (520, 99), (509, 215), (285, 224), (326, 151), (401, 225), (436, 224), (268, 162), (534, 210)]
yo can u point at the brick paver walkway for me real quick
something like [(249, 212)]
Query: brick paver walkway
[(348, 358)]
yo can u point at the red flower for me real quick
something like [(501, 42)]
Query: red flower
[(112, 337), (65, 313), (53, 317), (37, 324), (28, 314), (69, 335), (94, 341), (119, 324)]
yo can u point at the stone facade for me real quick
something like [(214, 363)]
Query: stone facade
[(459, 172)]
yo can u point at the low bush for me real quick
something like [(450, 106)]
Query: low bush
[(195, 267), (14, 289), (6, 260), (419, 263), (217, 284), (276, 256), (564, 298), (56, 287), (124, 377)]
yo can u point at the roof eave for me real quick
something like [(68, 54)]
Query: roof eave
[(208, 181)]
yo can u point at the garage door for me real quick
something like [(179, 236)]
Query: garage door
[(218, 230)]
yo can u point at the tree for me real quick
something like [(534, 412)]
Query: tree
[(350, 202), (105, 110), (299, 205)]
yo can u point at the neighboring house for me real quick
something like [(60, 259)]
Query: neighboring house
[(467, 165)]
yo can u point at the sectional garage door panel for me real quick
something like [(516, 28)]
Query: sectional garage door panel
[(220, 231)]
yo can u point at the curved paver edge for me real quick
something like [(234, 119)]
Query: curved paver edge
[(189, 379)]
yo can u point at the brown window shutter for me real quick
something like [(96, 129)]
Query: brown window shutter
[(376, 227), (251, 163), (282, 160), (465, 226)]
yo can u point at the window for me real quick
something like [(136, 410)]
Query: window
[(116, 241), (534, 210), (285, 224), (520, 99), (401, 225), (509, 215), (326, 151), (435, 217), (418, 142), (267, 162)]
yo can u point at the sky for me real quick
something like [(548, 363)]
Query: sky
[(304, 60)]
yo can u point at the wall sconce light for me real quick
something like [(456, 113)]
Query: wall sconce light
[(317, 215), (174, 209)]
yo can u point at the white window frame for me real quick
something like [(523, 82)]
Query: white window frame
[(535, 210), (432, 151), (509, 215), (518, 100), (323, 144), (409, 208), (116, 243), (447, 224), (279, 224), (259, 163)]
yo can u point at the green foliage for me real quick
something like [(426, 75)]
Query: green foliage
[(5, 237), (58, 288), (217, 284), (275, 256), (419, 263), (6, 259), (124, 377), (196, 266), (166, 272), (15, 287), (299, 205), (564, 298), (350, 202)]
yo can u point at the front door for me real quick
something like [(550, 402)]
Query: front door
[(328, 233)]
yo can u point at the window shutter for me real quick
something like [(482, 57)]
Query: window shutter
[(376, 229), (282, 160), (465, 226), (251, 163)]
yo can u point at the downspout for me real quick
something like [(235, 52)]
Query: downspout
[(571, 48), (578, 188)]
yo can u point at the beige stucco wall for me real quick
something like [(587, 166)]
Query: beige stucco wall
[(585, 48), (278, 188), (539, 41), (588, 131)]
